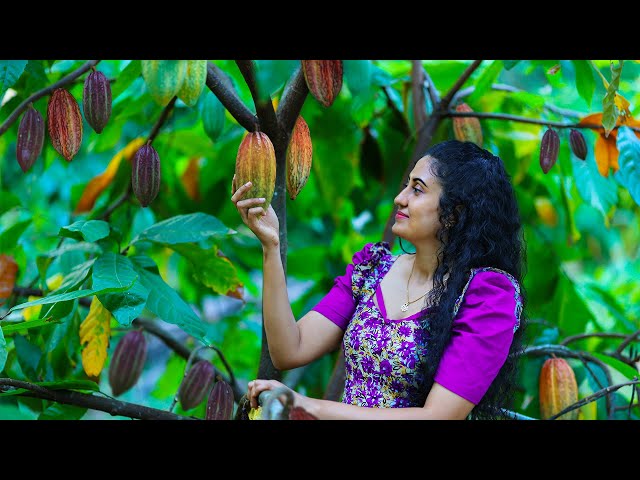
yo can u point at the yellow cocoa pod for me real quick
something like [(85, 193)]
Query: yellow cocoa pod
[(194, 82), (558, 389), (163, 78), (256, 163), (467, 129)]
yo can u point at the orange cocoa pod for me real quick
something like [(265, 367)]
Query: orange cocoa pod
[(324, 79), (256, 163), (299, 154), (467, 129), (558, 389), (8, 272), (64, 122)]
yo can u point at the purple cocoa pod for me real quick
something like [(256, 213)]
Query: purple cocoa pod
[(30, 138), (96, 100), (549, 150), (220, 402), (578, 144), (127, 362), (145, 174), (196, 384)]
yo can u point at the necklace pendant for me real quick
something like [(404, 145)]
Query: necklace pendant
[(404, 307)]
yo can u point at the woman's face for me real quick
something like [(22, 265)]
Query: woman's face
[(417, 216)]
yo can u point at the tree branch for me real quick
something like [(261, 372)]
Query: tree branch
[(161, 120), (290, 105), (264, 107), (45, 91), (444, 103), (574, 338), (219, 84), (431, 88), (417, 94), (630, 339), (111, 406)]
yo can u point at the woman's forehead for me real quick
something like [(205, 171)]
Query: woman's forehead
[(422, 169)]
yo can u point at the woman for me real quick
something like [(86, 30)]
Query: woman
[(435, 332)]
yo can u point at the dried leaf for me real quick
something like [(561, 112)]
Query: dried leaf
[(606, 153), (191, 179), (99, 183), (95, 331), (8, 272)]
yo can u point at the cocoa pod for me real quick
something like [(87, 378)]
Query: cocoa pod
[(357, 75), (256, 163), (324, 79), (213, 116), (549, 147), (127, 362), (558, 389), (220, 402), (64, 123), (96, 100), (196, 384), (30, 138), (578, 144), (299, 413), (145, 174), (194, 81), (467, 129), (163, 78), (299, 154), (8, 272)]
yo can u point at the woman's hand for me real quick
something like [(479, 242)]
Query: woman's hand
[(258, 386), (263, 224)]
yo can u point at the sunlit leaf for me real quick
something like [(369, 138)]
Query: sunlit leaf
[(126, 78), (10, 71), (91, 230), (585, 83), (95, 331), (621, 367), (193, 227), (488, 77)]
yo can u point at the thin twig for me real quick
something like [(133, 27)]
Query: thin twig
[(630, 339), (444, 103), (45, 91), (219, 84), (78, 399), (119, 201), (573, 338), (431, 89), (161, 120), (261, 100)]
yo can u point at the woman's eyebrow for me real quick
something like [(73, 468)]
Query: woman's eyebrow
[(416, 179)]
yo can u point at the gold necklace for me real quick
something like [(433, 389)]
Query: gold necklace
[(405, 306)]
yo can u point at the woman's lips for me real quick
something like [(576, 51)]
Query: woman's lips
[(401, 215)]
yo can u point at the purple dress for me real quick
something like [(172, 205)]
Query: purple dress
[(383, 356)]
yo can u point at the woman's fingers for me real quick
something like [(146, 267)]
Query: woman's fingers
[(249, 202), (256, 387), (238, 195)]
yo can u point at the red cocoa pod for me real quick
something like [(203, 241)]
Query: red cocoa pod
[(256, 163), (324, 79), (145, 174), (467, 129), (549, 150), (64, 123), (299, 154), (127, 362), (558, 389), (578, 144), (96, 100), (196, 384), (299, 413), (220, 402), (8, 272), (30, 138)]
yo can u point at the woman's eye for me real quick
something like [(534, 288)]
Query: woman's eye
[(417, 190)]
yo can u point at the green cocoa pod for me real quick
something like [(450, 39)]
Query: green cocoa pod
[(220, 402), (127, 362), (194, 81), (30, 138), (145, 174), (213, 115), (163, 78)]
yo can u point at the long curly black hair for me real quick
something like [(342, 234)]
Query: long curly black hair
[(486, 231)]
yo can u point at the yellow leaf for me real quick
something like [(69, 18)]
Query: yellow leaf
[(55, 281), (95, 331), (99, 183), (191, 179), (255, 413), (31, 313)]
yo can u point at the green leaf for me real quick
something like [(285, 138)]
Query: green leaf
[(43, 260), (8, 201), (145, 262), (116, 271), (28, 356), (125, 78), (488, 77), (610, 111), (357, 76), (23, 326), (585, 81), (91, 230), (209, 268), (509, 64), (9, 238), (599, 192), (58, 411), (194, 227), (272, 74), (81, 385), (10, 71), (165, 302), (621, 367), (629, 160), (3, 351)]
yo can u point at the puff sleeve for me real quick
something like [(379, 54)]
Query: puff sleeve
[(339, 304), (482, 333)]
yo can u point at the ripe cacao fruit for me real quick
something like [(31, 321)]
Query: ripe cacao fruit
[(127, 362), (194, 81), (578, 144), (145, 174), (64, 123), (546, 211), (30, 138), (357, 75), (324, 79), (8, 272), (163, 78), (299, 413), (196, 384), (220, 402), (299, 154), (213, 116), (96, 100), (256, 163), (558, 389), (467, 129), (549, 150)]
